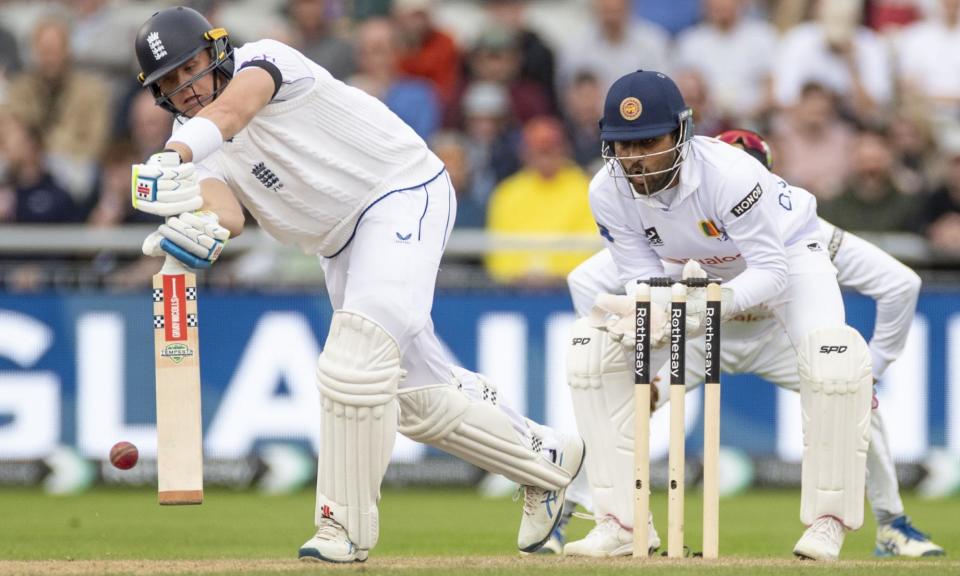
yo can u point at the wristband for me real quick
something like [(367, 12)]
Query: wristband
[(199, 134)]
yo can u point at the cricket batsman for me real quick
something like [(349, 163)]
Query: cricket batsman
[(331, 169)]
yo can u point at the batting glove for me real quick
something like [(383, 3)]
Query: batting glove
[(165, 187), (194, 238)]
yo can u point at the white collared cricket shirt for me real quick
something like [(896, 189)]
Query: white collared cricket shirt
[(728, 212), (318, 155)]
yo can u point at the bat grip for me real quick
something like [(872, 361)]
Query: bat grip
[(173, 266)]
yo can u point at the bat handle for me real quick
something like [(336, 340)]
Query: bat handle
[(173, 266)]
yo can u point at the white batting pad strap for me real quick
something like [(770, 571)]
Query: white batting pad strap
[(357, 373), (478, 431), (836, 387), (601, 386)]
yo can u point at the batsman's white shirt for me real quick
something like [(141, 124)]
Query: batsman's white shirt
[(318, 155), (728, 212)]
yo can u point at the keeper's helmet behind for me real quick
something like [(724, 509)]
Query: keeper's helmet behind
[(172, 37), (640, 106), (751, 143)]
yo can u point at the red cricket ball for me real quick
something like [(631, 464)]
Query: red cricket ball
[(124, 455)]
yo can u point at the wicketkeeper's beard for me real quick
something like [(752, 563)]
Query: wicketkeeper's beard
[(650, 184)]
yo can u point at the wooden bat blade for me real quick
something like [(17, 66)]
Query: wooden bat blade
[(177, 355)]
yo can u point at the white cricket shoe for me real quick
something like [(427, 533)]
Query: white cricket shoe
[(821, 541), (900, 538), (608, 539), (542, 508), (330, 544)]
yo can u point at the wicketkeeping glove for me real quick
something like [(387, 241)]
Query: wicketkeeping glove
[(194, 238), (697, 300), (165, 187), (616, 315)]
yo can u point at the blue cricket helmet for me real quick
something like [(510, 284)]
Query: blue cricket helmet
[(640, 106), (643, 104)]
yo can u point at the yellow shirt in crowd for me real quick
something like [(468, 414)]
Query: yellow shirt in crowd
[(526, 203)]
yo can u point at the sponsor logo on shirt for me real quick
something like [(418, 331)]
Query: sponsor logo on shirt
[(748, 201), (708, 261), (653, 236)]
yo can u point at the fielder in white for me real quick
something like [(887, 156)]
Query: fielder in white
[(329, 168), (668, 196), (755, 343)]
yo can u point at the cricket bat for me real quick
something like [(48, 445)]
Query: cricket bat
[(177, 353)]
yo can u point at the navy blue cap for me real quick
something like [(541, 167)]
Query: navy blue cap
[(642, 104)]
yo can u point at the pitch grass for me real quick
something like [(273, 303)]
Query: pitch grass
[(422, 532)]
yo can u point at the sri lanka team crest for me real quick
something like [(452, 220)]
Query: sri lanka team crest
[(710, 229), (630, 108)]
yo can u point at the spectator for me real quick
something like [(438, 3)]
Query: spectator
[(451, 148), (98, 28), (113, 205), (537, 62), (889, 15), (615, 44), (9, 59), (940, 219), (548, 196), (813, 143), (493, 141), (929, 60), (149, 126), (911, 136), (873, 197), (412, 99), (30, 195), (738, 71), (673, 16), (836, 51), (496, 58), (69, 107), (696, 94), (315, 36), (582, 110), (427, 52)]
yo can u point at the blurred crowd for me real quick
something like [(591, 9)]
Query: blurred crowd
[(860, 100)]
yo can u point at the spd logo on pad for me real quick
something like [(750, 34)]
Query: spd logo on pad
[(832, 349)]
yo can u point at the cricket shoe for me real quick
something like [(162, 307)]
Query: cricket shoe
[(900, 538), (543, 508), (331, 544), (608, 539), (554, 544), (821, 541)]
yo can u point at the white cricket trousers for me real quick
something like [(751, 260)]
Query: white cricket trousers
[(388, 272)]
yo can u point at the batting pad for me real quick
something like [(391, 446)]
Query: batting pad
[(476, 429), (601, 385), (358, 373), (836, 387)]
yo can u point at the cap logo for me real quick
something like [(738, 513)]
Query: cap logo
[(630, 108), (156, 46)]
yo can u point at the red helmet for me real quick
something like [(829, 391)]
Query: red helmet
[(751, 143)]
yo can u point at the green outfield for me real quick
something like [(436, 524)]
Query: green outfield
[(422, 532)]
